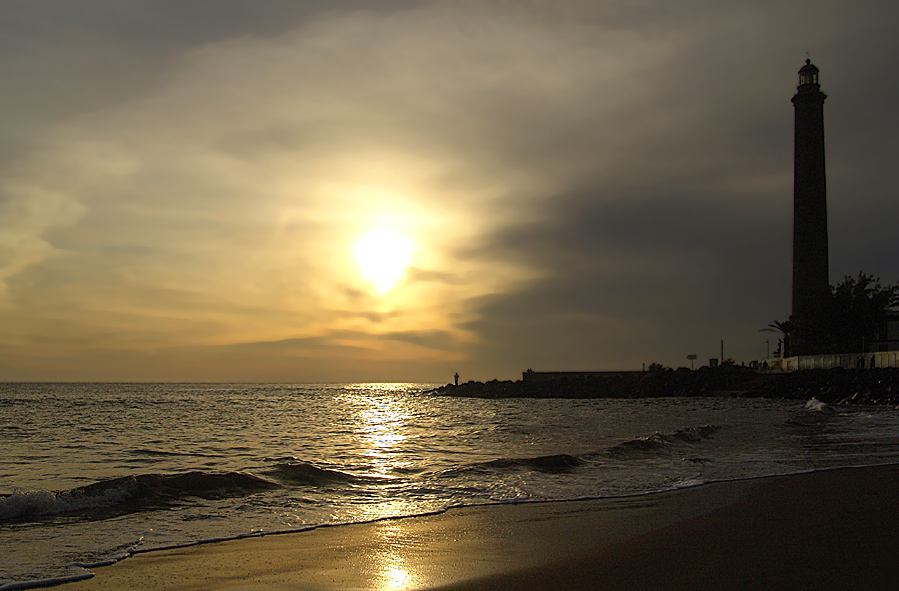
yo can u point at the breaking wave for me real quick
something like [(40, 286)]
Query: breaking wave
[(658, 441), (552, 464), (308, 474), (562, 463), (128, 494)]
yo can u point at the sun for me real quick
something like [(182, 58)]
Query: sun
[(382, 256)]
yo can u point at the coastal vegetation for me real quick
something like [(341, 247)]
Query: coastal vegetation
[(859, 311), (857, 314)]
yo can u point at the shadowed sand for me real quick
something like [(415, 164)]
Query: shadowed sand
[(827, 530)]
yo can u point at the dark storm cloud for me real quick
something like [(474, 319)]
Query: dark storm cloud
[(686, 240), (167, 26), (623, 277), (63, 58), (621, 171)]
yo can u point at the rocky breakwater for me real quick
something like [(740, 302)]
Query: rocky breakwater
[(656, 383), (834, 386)]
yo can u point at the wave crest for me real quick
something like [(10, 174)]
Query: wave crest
[(309, 474), (658, 441), (128, 494), (552, 464)]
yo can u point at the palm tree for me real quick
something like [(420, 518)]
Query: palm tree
[(784, 328)]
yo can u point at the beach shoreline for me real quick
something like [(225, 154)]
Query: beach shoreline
[(821, 530)]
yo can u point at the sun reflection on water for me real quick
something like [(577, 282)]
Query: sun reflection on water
[(382, 418), (394, 574), (381, 426), (396, 577)]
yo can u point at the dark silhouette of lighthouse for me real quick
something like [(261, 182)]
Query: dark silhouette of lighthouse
[(811, 281)]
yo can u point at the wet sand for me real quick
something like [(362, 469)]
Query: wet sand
[(827, 530)]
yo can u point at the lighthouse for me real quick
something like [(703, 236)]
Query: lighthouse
[(811, 282)]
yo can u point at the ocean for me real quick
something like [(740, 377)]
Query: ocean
[(90, 473)]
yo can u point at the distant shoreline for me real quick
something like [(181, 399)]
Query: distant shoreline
[(834, 386)]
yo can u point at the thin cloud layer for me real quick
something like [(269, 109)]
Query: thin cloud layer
[(588, 185)]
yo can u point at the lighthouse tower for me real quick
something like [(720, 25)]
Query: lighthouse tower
[(811, 282)]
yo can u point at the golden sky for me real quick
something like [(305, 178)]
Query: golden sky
[(572, 185)]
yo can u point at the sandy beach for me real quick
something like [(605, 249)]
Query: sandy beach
[(827, 530)]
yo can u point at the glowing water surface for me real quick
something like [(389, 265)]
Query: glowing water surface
[(173, 463)]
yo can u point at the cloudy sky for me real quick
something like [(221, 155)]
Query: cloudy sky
[(575, 184)]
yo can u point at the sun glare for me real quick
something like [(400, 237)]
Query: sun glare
[(382, 256)]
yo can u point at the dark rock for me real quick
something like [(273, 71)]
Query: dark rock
[(833, 386)]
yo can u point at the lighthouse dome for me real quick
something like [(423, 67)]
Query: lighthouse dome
[(808, 74)]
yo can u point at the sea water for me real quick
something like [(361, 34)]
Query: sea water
[(93, 472)]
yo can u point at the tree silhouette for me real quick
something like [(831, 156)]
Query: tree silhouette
[(859, 312), (784, 328)]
